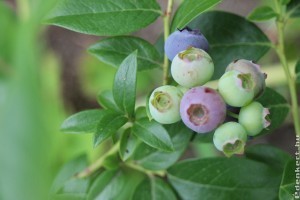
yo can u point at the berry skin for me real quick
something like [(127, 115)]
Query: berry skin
[(246, 66), (164, 104), (254, 118), (230, 138), (192, 67), (182, 39), (236, 88), (202, 109)]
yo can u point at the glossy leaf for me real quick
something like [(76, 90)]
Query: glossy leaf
[(65, 186), (116, 185), (153, 134), (115, 49), (153, 189), (262, 13), (128, 144), (230, 37), (224, 178), (287, 186), (293, 8), (124, 87), (82, 122), (269, 155), (105, 17), (189, 10), (106, 100), (278, 106), (297, 72), (153, 159), (108, 125)]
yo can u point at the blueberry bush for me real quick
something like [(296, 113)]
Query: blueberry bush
[(145, 143)]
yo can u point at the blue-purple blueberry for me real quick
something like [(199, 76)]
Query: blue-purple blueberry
[(180, 40)]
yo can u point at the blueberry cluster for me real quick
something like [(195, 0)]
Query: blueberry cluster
[(203, 109)]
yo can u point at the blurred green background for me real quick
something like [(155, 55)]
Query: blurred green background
[(46, 75)]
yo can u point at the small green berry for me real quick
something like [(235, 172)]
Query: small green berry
[(192, 67), (254, 118), (236, 88), (230, 138), (164, 103), (247, 66)]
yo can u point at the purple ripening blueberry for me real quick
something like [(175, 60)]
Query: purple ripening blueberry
[(202, 109), (182, 39)]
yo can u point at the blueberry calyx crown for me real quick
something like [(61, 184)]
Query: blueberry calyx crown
[(198, 114), (161, 101), (192, 31), (234, 147), (192, 54), (246, 81)]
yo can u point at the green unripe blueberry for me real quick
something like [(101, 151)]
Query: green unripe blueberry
[(230, 138), (192, 67), (254, 117), (247, 66), (164, 103), (236, 88)]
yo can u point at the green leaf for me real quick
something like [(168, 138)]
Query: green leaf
[(105, 17), (154, 159), (153, 189), (128, 144), (141, 112), (269, 155), (8, 22), (287, 186), (278, 106), (106, 100), (293, 8), (108, 125), (224, 178), (230, 37), (82, 122), (284, 2), (115, 49), (68, 197), (65, 186), (116, 185), (147, 106), (297, 72), (153, 134), (262, 13), (124, 87), (189, 10), (111, 162)]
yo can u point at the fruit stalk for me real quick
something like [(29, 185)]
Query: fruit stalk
[(280, 50), (98, 163), (167, 16)]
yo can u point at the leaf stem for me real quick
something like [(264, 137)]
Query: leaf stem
[(280, 50), (96, 165), (145, 171), (167, 16)]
